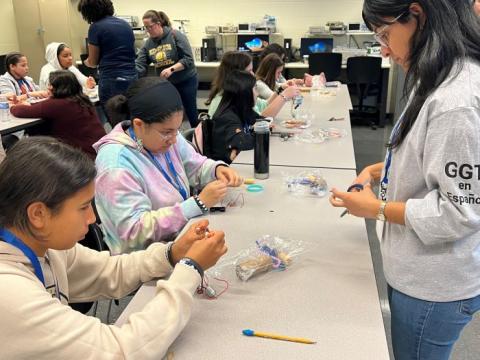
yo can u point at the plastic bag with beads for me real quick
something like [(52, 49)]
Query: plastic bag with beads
[(306, 183), (268, 253)]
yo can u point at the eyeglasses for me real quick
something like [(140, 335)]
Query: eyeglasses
[(381, 36), (166, 136), (149, 27)]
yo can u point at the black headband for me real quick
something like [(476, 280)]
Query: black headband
[(154, 102)]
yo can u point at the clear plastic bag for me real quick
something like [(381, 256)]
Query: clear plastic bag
[(307, 183), (318, 136), (269, 253)]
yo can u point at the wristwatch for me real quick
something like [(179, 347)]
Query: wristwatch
[(381, 211)]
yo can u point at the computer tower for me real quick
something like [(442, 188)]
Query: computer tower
[(208, 50), (287, 45)]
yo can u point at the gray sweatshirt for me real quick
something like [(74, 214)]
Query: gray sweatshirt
[(436, 171), (166, 51)]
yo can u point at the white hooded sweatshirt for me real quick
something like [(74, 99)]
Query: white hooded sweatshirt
[(38, 324), (53, 65)]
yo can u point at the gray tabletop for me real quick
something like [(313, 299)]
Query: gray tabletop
[(16, 124), (335, 153), (328, 294)]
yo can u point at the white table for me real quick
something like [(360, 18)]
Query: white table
[(328, 294), (335, 153), (17, 124)]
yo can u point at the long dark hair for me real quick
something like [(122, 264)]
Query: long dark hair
[(231, 60), (118, 110), (157, 17), (12, 58), (40, 169), (238, 96), (95, 10), (435, 47), (66, 86), (267, 69)]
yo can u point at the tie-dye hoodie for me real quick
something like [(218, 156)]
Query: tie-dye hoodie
[(135, 202)]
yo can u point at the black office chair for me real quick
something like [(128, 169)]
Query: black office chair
[(188, 134), (93, 240), (256, 60), (364, 77), (328, 63)]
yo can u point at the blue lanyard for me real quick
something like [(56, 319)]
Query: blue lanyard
[(11, 239), (177, 184), (388, 160)]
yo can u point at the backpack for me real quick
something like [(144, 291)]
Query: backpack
[(202, 136)]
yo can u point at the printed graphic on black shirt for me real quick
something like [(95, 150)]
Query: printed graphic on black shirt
[(162, 56)]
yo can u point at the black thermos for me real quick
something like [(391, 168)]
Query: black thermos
[(261, 151)]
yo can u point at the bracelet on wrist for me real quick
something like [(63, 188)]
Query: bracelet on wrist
[(200, 204), (172, 69), (283, 97), (279, 90), (193, 264)]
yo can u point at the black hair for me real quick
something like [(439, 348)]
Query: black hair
[(40, 169), (467, 19), (12, 58), (231, 60), (158, 17), (66, 86), (238, 95), (117, 106), (95, 10), (445, 37), (274, 49), (60, 48)]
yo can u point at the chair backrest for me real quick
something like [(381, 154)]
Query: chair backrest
[(364, 73), (94, 238), (328, 63), (364, 70), (188, 134)]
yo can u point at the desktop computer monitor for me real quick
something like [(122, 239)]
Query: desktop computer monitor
[(247, 42), (315, 45)]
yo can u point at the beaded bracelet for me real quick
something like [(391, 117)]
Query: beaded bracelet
[(200, 204)]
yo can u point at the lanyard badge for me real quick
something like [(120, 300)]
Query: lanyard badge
[(175, 182), (11, 239)]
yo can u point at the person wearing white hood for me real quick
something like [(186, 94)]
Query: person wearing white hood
[(59, 57)]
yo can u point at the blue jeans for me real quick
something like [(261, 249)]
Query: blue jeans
[(108, 87), (426, 330), (188, 93)]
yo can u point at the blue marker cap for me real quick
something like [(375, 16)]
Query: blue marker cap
[(248, 332)]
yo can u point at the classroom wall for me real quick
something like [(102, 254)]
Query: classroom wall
[(8, 35), (293, 16)]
